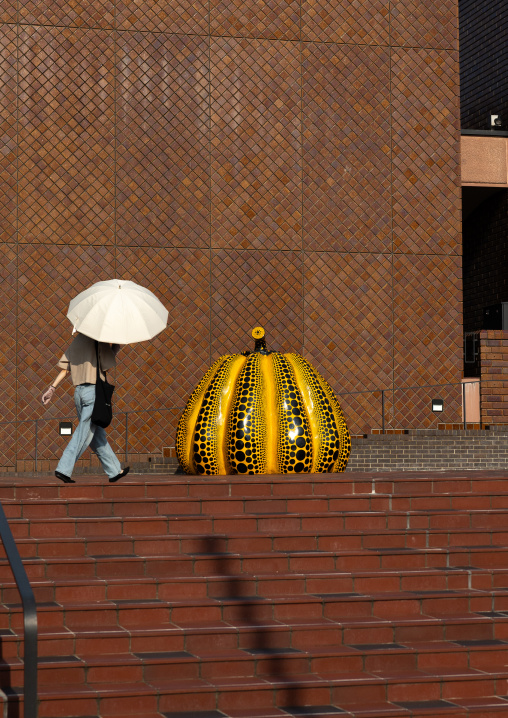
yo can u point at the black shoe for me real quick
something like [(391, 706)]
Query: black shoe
[(64, 478), (120, 475)]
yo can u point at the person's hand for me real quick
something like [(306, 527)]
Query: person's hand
[(48, 395)]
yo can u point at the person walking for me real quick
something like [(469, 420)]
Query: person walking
[(80, 360)]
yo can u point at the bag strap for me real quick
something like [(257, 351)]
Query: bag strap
[(98, 368)]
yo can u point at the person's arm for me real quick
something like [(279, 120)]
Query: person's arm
[(50, 392)]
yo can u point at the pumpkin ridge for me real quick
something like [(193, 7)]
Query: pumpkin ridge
[(247, 426), (294, 445), (321, 417), (185, 430), (271, 414), (344, 435), (206, 439), (226, 398)]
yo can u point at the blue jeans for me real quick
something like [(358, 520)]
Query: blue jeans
[(88, 435)]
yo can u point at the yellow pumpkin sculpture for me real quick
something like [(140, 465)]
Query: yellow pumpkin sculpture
[(262, 413)]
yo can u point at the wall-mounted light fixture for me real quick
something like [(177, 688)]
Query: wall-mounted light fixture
[(437, 405), (65, 428), (495, 122)]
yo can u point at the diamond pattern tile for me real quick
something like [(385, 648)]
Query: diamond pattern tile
[(26, 444), (363, 411), (361, 22), (427, 319), (255, 157), (83, 13), (251, 288), (412, 408), (276, 19), (8, 10), (8, 413), (178, 16), (164, 371), (149, 431), (348, 319), (8, 445), (66, 150), (50, 444), (161, 374), (163, 141), (49, 277), (346, 148), (426, 152), (8, 128), (433, 23), (348, 329)]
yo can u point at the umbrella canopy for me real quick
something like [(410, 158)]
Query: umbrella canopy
[(118, 311)]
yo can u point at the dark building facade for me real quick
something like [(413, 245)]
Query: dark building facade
[(483, 62), (484, 91), (293, 165), (485, 242)]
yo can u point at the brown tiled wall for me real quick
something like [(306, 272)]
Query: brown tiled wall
[(494, 376), (292, 164)]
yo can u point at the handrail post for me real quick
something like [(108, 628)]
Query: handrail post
[(126, 436), (29, 617), (383, 409), (36, 443)]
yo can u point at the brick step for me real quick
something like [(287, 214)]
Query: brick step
[(204, 638), (323, 538), (128, 507), (169, 485), (286, 609), (230, 694), (210, 490), (459, 708), (216, 586), (345, 520), (261, 661), (275, 562)]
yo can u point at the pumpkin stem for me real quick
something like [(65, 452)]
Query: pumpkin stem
[(259, 335)]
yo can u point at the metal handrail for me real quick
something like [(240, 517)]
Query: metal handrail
[(462, 384), (130, 413), (29, 617), (407, 388)]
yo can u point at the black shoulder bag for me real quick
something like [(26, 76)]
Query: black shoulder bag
[(102, 413)]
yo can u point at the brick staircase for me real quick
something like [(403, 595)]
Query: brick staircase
[(355, 595)]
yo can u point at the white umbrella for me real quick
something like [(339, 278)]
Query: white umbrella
[(118, 311)]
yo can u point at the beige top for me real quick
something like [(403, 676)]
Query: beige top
[(80, 360)]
